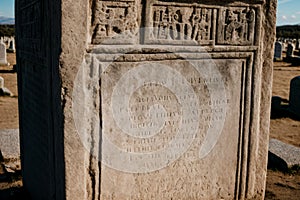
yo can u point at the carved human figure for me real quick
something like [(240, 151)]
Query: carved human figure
[(174, 17), (232, 27), (163, 31), (199, 25), (186, 24), (239, 25), (131, 24), (203, 26), (100, 20)]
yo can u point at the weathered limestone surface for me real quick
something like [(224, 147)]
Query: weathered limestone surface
[(150, 99)]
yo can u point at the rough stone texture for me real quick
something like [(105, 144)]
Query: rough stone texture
[(211, 65), (294, 104), (10, 143), (3, 59), (288, 153)]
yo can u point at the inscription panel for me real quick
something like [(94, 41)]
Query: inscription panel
[(186, 173), (164, 123)]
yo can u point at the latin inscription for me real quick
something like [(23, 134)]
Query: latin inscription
[(155, 113)]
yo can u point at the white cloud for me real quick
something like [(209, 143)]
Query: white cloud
[(283, 17), (283, 1), (293, 17)]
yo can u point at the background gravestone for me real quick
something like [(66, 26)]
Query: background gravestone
[(110, 109), (278, 51), (3, 59), (294, 104), (298, 44), (11, 47), (290, 50)]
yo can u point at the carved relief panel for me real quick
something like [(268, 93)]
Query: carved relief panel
[(112, 18), (179, 23), (176, 23), (236, 25)]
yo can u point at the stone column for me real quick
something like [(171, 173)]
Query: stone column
[(147, 99)]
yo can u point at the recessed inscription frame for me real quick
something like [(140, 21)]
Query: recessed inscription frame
[(244, 135)]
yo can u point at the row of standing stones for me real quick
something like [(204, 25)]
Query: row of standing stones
[(4, 49), (177, 110), (289, 47)]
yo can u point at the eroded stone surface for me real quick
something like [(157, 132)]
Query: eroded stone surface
[(169, 101), (288, 153)]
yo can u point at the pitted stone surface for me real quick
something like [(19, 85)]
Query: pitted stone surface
[(289, 153)]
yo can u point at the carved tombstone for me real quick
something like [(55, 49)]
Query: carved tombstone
[(294, 104), (3, 59), (146, 99), (278, 51)]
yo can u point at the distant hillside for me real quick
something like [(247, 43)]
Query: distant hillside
[(7, 30), (7, 20), (288, 31)]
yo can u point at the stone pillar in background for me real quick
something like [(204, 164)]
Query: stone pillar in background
[(278, 51), (290, 50), (294, 104), (3, 59), (11, 47), (298, 44), (146, 99)]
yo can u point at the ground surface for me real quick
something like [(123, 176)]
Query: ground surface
[(279, 185), (9, 105)]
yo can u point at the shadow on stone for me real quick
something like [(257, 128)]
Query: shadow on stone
[(276, 163), (15, 193), (280, 109)]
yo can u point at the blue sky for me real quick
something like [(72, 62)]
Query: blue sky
[(7, 8), (288, 11)]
